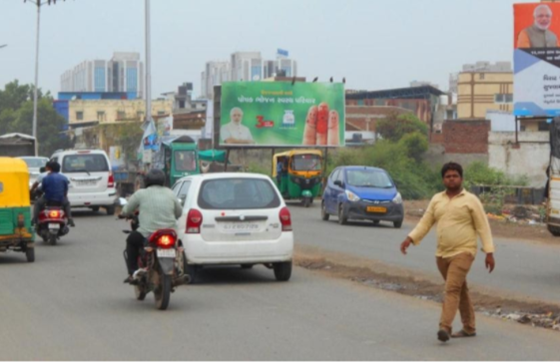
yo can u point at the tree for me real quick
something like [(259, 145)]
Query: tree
[(394, 127), (16, 115), (415, 145)]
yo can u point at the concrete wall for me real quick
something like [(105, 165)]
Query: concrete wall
[(530, 157)]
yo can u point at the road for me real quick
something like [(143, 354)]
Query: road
[(527, 269), (71, 305)]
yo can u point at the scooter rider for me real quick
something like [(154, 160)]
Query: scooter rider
[(158, 209), (55, 188)]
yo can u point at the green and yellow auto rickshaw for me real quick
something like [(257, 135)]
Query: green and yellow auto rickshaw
[(298, 174), (16, 232)]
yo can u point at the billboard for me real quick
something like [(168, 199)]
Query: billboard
[(282, 114), (537, 59)]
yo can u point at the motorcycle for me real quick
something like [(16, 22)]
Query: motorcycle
[(161, 264), (53, 223)]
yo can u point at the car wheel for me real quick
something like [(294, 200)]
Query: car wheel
[(110, 210), (375, 222), (283, 271), (397, 224), (324, 214), (342, 218), (95, 208), (192, 271)]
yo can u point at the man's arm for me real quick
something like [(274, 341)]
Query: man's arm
[(425, 224), (132, 204), (482, 226)]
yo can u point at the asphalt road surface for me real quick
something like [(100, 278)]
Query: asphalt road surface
[(71, 305)]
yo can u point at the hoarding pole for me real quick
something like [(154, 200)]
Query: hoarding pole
[(227, 160), (272, 162), (516, 132), (36, 80), (148, 64)]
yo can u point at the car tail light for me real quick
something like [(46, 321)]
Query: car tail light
[(285, 219), (111, 182), (165, 241), (194, 220)]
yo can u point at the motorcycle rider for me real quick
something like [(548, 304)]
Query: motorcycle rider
[(158, 209), (55, 190)]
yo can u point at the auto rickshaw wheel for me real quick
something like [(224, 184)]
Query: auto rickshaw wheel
[(30, 254), (306, 202)]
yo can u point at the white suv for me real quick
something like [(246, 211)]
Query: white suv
[(91, 180), (235, 218)]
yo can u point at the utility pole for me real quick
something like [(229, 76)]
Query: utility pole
[(148, 65), (37, 3)]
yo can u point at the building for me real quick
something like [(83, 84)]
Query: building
[(482, 87), (124, 72), (114, 111), (245, 66), (423, 101), (215, 73)]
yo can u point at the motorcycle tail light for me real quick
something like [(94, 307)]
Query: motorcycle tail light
[(165, 241), (55, 214)]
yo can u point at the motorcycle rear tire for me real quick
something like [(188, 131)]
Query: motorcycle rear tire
[(163, 293), (52, 239)]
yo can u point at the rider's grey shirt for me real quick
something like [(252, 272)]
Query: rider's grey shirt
[(158, 206)]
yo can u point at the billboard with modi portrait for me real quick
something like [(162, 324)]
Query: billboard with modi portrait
[(282, 114), (537, 59)]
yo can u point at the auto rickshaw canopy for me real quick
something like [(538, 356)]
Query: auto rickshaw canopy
[(14, 183), (290, 154)]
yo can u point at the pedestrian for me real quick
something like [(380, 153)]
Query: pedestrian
[(460, 218)]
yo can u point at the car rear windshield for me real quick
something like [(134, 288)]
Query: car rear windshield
[(238, 193), (369, 178), (35, 162), (84, 163)]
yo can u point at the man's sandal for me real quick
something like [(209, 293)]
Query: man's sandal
[(462, 334)]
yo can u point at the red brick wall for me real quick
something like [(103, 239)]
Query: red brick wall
[(466, 136), (437, 138)]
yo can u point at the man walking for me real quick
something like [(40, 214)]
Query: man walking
[(460, 217)]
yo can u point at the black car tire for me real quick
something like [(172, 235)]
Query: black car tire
[(283, 271), (397, 224), (375, 222), (95, 208), (324, 214), (342, 218), (110, 210)]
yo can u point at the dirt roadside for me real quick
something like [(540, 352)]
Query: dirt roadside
[(500, 229)]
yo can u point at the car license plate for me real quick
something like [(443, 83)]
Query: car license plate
[(376, 209), (54, 226), (166, 253), (236, 227), (87, 183)]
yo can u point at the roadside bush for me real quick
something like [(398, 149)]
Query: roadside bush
[(394, 127), (416, 144)]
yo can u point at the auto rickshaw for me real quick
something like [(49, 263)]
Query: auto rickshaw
[(298, 174), (16, 232)]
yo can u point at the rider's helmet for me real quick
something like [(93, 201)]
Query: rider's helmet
[(154, 177)]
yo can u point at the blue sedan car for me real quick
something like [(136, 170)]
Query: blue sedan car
[(362, 193)]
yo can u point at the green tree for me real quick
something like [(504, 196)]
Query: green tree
[(415, 144), (394, 127), (16, 115)]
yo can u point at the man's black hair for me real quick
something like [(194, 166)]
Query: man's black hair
[(451, 166), (54, 166)]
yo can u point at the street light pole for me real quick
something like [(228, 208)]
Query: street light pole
[(36, 80), (3, 46), (148, 65)]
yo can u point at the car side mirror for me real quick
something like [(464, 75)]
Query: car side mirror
[(182, 199), (121, 201), (339, 183)]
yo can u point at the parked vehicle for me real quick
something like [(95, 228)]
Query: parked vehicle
[(52, 223), (162, 265), (235, 218), (301, 176), (92, 183), (16, 232), (34, 165), (362, 193)]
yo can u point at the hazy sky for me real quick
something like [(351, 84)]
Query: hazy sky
[(375, 44)]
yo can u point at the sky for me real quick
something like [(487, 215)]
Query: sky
[(374, 44)]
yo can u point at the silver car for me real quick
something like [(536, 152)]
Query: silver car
[(34, 165)]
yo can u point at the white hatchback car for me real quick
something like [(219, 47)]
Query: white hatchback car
[(92, 183), (235, 218)]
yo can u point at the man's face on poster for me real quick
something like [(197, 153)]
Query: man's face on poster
[(236, 116), (543, 17)]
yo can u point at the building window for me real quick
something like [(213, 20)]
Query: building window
[(522, 128), (140, 115), (544, 126), (481, 76), (99, 79), (101, 116), (503, 98), (121, 115), (131, 80), (80, 116)]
